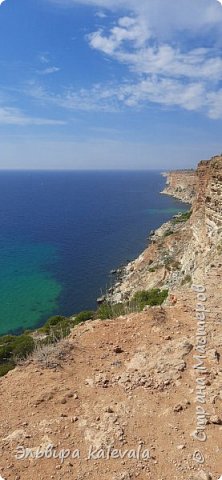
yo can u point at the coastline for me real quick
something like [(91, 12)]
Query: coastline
[(181, 184), (90, 240), (119, 274), (125, 286)]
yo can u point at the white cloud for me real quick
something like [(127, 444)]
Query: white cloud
[(112, 98), (101, 14), (168, 74), (98, 98), (43, 58), (163, 45), (48, 71), (164, 17), (128, 29), (46, 68), (14, 116), (151, 58), (167, 92), (1, 2)]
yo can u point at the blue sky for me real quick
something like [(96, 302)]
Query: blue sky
[(110, 83)]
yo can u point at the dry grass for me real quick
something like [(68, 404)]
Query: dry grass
[(51, 355)]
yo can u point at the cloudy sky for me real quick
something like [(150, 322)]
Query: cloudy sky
[(110, 83)]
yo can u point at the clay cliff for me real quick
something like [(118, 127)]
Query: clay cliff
[(181, 184), (148, 381)]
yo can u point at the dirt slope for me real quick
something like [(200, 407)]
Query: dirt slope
[(140, 393)]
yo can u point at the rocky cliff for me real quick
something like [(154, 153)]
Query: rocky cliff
[(145, 382), (181, 184), (181, 251)]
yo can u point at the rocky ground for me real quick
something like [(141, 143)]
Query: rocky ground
[(124, 383)]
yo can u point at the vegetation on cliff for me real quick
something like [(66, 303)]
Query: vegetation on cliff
[(183, 217), (14, 349), (152, 298)]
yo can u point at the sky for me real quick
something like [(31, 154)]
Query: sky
[(110, 84)]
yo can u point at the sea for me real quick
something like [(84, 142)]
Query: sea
[(62, 232)]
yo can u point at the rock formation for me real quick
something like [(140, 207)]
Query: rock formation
[(181, 184)]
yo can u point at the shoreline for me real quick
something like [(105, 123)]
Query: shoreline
[(118, 294)]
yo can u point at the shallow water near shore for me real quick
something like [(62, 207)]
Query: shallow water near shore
[(62, 233)]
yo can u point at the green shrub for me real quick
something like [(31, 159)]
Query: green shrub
[(22, 346), (136, 304), (84, 316), (51, 323), (152, 270), (183, 217), (12, 347), (168, 233), (6, 368), (107, 310), (5, 352), (6, 339), (61, 330), (149, 297), (57, 327)]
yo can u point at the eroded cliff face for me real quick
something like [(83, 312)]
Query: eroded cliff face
[(183, 250), (205, 246), (213, 201), (181, 184)]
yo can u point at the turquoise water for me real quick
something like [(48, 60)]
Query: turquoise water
[(169, 211), (28, 291)]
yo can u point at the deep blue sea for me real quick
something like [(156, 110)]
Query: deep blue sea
[(62, 232)]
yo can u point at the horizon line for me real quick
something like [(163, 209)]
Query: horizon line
[(92, 169)]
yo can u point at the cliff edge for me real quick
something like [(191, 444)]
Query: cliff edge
[(181, 184)]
